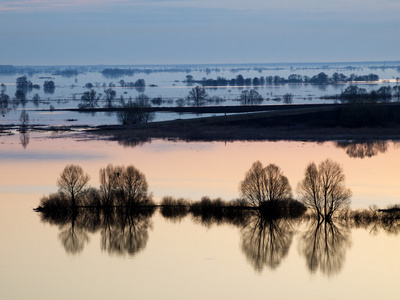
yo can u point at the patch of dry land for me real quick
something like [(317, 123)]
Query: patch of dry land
[(316, 123)]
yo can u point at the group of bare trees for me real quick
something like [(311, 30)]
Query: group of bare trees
[(119, 186), (122, 186), (322, 190), (136, 112)]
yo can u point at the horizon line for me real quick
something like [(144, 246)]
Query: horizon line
[(205, 64)]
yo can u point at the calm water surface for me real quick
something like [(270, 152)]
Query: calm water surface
[(153, 257), (170, 87)]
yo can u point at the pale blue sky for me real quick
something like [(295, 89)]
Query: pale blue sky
[(49, 32)]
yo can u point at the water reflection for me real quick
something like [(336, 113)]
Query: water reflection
[(266, 241), (128, 234), (374, 220), (72, 237), (134, 142), (24, 138), (324, 244), (365, 149), (123, 232), (209, 212)]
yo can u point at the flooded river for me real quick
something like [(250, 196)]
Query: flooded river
[(154, 257)]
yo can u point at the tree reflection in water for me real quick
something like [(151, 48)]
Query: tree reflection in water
[(128, 235), (266, 241), (324, 245), (73, 238), (123, 231), (24, 138), (362, 150)]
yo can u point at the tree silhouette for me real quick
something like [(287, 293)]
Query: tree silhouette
[(24, 118), (110, 177), (123, 186), (89, 99), (323, 189), (288, 98), (250, 97), (72, 182), (110, 95), (264, 184), (134, 187), (49, 87), (198, 95), (20, 96), (136, 112), (4, 101), (23, 84)]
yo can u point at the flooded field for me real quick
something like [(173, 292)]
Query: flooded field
[(152, 256), (169, 86)]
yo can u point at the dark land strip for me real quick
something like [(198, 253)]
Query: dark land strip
[(320, 122)]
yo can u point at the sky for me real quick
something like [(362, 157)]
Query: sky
[(117, 32)]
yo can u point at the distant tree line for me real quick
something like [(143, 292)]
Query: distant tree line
[(320, 78), (140, 83), (54, 70), (384, 93), (120, 72), (67, 73)]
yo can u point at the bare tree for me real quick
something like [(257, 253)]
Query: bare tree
[(198, 95), (89, 99), (24, 118), (123, 186), (134, 186), (250, 97), (110, 95), (110, 178), (323, 189), (4, 99), (288, 98), (36, 99), (72, 182), (136, 112), (396, 91), (264, 184)]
